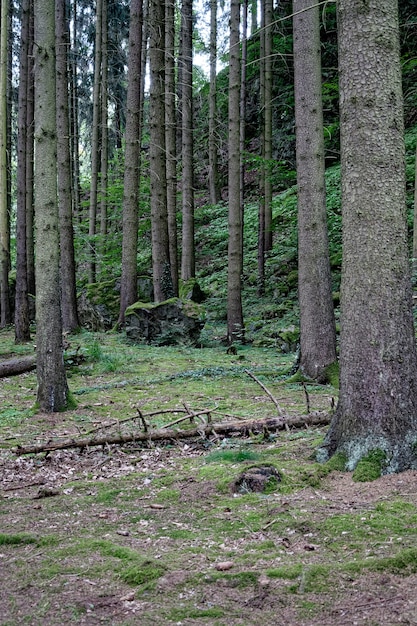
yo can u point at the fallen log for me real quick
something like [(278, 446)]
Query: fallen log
[(226, 429), (17, 365)]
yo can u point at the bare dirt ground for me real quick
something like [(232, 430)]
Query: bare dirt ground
[(100, 506)]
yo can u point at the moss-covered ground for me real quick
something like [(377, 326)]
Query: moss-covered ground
[(154, 534)]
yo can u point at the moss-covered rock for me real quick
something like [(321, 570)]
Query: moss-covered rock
[(171, 322)]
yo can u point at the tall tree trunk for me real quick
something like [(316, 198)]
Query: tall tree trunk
[(243, 111), (414, 262), (22, 320), (104, 129), (68, 286), (162, 281), (53, 393), (129, 282), (235, 328), (267, 135), (214, 186), (171, 140), (261, 205), (5, 310), (377, 406), (74, 134), (95, 145), (317, 324), (30, 129), (188, 246)]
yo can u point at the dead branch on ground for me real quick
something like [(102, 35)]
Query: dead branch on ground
[(226, 429)]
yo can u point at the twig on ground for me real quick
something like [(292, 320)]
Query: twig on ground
[(268, 393)]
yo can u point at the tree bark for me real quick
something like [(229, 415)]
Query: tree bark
[(53, 393), (377, 406), (171, 141), (162, 280), (68, 285), (129, 287), (212, 138), (22, 320), (95, 146), (5, 310), (188, 246), (317, 323), (235, 327), (17, 365)]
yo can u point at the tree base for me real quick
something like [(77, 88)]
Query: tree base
[(398, 454)]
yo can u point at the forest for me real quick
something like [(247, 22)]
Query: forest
[(208, 361)]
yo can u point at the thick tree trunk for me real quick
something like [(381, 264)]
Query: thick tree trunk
[(22, 321), (378, 361), (171, 141), (5, 310), (129, 287), (212, 139), (95, 146), (162, 280), (53, 394), (188, 247), (68, 287), (235, 328), (317, 324)]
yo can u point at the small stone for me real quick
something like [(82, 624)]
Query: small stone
[(223, 566)]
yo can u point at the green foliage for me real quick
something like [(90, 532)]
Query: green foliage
[(142, 574), (232, 456), (370, 467), (13, 540)]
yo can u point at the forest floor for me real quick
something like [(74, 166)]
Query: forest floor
[(156, 534)]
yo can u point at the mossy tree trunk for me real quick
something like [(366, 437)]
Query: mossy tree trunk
[(53, 394), (377, 407), (317, 323)]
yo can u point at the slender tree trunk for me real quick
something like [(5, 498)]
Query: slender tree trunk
[(162, 280), (95, 144), (214, 186), (235, 328), (129, 282), (104, 130), (53, 394), (267, 135), (5, 311), (22, 320), (188, 246), (171, 143), (414, 262), (317, 324), (30, 128), (68, 285), (75, 148), (377, 406), (254, 16), (243, 111), (261, 205)]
